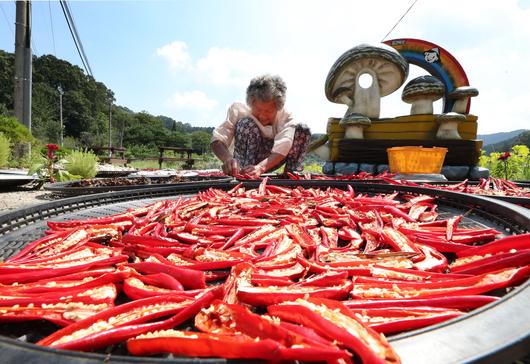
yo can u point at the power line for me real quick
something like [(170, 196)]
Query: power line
[(51, 27), (7, 21), (75, 36), (400, 19)]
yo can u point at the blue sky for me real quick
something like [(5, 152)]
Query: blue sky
[(190, 59)]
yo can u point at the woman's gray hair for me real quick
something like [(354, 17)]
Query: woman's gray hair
[(267, 88)]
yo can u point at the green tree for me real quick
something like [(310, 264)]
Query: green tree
[(7, 73), (200, 141)]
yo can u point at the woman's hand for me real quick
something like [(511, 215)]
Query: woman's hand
[(254, 171), (231, 167)]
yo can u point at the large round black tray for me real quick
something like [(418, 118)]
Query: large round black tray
[(114, 173), (496, 333), (65, 188), (9, 180)]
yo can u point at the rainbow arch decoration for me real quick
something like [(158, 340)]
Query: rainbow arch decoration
[(435, 60)]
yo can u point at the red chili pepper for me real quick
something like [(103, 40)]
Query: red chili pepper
[(62, 314), (32, 275), (233, 319), (301, 236), (94, 295), (463, 286), (452, 224), (411, 275), (334, 321), (433, 260), (457, 302), (505, 244), (240, 276), (46, 241), (107, 220), (135, 289), (125, 321), (480, 264), (265, 296), (324, 280), (391, 320), (61, 284), (293, 271), (399, 241), (198, 344), (190, 278)]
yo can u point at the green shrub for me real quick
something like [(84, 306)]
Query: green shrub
[(513, 165), (5, 152), (15, 131), (82, 164)]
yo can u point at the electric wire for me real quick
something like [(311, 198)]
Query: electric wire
[(77, 36), (399, 21), (51, 27), (73, 37), (7, 21)]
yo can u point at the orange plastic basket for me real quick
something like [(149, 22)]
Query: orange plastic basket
[(416, 159)]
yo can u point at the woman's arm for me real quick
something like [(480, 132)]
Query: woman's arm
[(265, 165), (230, 165)]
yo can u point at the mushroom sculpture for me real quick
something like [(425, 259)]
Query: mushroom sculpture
[(461, 96), (448, 128), (386, 66), (353, 124), (421, 92)]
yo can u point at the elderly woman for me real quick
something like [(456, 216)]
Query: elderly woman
[(261, 135)]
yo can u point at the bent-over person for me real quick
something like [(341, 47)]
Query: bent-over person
[(261, 135)]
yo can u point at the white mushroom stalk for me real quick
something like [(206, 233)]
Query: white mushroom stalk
[(354, 124), (387, 68), (421, 92), (461, 96), (448, 128)]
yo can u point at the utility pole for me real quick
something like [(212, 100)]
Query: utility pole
[(110, 127), (23, 63), (61, 93)]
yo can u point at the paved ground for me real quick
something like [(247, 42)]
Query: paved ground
[(20, 197)]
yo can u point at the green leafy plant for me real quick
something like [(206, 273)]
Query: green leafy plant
[(45, 166), (5, 151), (81, 163), (514, 164)]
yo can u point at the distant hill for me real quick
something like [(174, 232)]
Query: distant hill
[(522, 138), (499, 137)]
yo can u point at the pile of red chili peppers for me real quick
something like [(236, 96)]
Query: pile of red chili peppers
[(488, 187), (270, 273)]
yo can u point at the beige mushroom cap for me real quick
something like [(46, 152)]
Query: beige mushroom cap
[(355, 119), (423, 87), (463, 91), (450, 116), (386, 62)]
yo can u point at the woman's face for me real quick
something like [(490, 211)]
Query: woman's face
[(264, 111)]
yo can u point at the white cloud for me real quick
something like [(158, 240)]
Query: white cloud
[(176, 54), (191, 100), (489, 38)]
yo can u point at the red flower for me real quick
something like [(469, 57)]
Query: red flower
[(504, 156), (51, 149)]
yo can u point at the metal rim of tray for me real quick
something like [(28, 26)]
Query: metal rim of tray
[(9, 180), (498, 332), (63, 188)]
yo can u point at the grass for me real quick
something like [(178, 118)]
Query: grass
[(209, 161)]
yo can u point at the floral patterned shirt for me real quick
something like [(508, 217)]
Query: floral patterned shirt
[(281, 130)]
